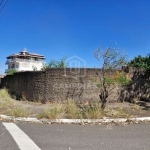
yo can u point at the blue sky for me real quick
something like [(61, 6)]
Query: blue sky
[(74, 27)]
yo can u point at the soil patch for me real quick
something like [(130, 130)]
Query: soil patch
[(139, 109)]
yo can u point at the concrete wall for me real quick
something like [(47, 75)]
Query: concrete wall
[(59, 85)]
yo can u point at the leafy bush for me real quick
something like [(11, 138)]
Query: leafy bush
[(118, 78), (56, 63), (11, 72), (140, 62)]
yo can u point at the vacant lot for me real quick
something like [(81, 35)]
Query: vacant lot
[(70, 109)]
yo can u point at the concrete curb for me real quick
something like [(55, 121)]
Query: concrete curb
[(74, 121)]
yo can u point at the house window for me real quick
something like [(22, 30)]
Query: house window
[(17, 66), (13, 66)]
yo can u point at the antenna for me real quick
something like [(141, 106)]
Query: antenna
[(25, 50)]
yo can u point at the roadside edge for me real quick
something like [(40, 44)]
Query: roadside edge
[(74, 121)]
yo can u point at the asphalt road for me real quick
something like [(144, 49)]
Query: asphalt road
[(77, 137)]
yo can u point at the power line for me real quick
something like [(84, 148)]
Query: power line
[(4, 6)]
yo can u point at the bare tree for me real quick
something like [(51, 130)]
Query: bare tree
[(111, 58)]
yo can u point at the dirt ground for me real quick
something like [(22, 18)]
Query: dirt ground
[(140, 109)]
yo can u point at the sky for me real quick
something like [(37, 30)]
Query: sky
[(57, 28)]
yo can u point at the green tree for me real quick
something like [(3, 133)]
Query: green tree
[(56, 63), (110, 59), (11, 72), (140, 62)]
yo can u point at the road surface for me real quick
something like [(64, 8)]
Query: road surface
[(25, 136)]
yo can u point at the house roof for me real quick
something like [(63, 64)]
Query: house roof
[(25, 53)]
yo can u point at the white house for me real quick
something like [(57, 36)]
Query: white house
[(25, 61)]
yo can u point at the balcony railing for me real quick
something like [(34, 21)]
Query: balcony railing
[(22, 60)]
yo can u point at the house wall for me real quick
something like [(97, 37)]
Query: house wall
[(27, 65)]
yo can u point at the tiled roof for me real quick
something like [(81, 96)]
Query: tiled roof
[(26, 53)]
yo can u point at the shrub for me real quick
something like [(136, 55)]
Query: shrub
[(118, 78), (140, 62), (11, 72)]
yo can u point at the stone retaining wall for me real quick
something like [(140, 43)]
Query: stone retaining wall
[(59, 85)]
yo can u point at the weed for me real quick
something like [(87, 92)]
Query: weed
[(136, 107), (18, 111), (5, 101), (72, 111), (4, 95), (93, 112), (52, 113), (69, 109), (23, 98), (118, 113)]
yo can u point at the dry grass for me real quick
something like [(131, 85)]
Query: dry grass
[(72, 111), (94, 112), (18, 111), (69, 109), (52, 113), (5, 97), (7, 105), (5, 101), (136, 107), (118, 113)]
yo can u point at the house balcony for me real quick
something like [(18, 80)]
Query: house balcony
[(21, 60), (12, 61)]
